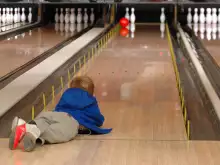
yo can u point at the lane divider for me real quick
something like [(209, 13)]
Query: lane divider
[(179, 86), (78, 67)]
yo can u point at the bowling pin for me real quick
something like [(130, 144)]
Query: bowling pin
[(195, 17), (214, 16), (30, 15), (92, 16), (11, 15), (132, 17), (3, 16), (7, 15), (202, 16), (219, 15), (127, 13), (15, 18), (189, 16), (67, 16), (19, 15), (61, 16), (23, 17), (72, 16), (0, 15), (79, 16), (162, 16), (85, 16), (56, 18), (208, 16)]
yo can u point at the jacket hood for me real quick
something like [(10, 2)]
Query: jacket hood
[(77, 98)]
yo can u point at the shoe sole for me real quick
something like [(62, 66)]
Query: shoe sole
[(11, 140), (12, 134), (29, 142)]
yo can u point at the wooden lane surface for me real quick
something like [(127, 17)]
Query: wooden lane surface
[(136, 88), (213, 47), (24, 47), (129, 152)]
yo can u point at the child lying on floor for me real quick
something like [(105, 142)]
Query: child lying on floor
[(76, 113)]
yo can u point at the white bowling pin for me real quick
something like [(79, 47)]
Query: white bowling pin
[(23, 17), (0, 15), (30, 15), (3, 16), (19, 15), (79, 16), (219, 15), (7, 15), (189, 16), (72, 16), (162, 16), (67, 16), (15, 19), (61, 16), (195, 17), (214, 16), (92, 16), (202, 16), (56, 17), (11, 15), (132, 17), (127, 13), (85, 16), (208, 16)]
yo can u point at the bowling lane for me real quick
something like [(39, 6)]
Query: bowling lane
[(136, 88), (17, 50), (211, 40)]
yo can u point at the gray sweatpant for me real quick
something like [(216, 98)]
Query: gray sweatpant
[(56, 127)]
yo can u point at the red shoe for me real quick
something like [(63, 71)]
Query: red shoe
[(16, 135)]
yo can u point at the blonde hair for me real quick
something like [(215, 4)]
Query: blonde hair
[(83, 82)]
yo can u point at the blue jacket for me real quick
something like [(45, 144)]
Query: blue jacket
[(84, 108)]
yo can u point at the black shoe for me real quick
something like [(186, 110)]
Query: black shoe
[(84, 132)]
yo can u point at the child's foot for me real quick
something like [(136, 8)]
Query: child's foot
[(27, 134), (84, 131), (30, 137), (16, 122), (14, 137)]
